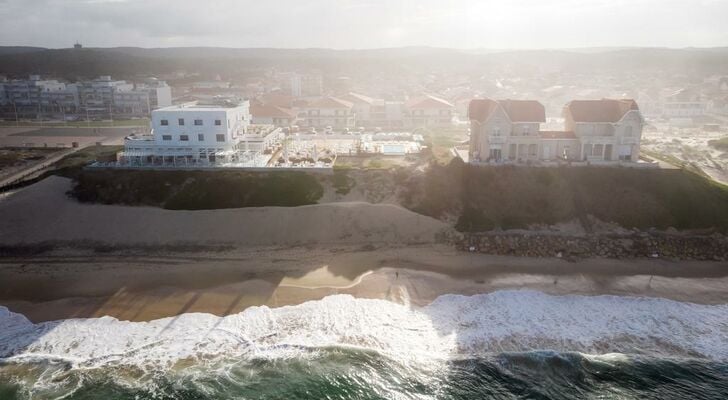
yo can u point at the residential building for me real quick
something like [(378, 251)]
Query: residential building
[(147, 96), (595, 131), (99, 93), (428, 111), (371, 112), (328, 112), (30, 92), (39, 95), (684, 103), (103, 94), (608, 130)]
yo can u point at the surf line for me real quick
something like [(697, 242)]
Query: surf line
[(349, 286)]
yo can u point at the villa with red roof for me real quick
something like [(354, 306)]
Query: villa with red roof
[(595, 131)]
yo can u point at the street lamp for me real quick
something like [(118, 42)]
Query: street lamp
[(15, 106), (63, 110)]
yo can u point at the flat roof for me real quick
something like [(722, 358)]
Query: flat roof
[(200, 107)]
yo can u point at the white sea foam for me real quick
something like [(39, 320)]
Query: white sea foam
[(452, 326)]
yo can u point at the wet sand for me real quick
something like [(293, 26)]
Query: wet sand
[(142, 286)]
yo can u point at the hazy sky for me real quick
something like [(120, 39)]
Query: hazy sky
[(365, 23)]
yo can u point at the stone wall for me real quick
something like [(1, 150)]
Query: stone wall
[(677, 246)]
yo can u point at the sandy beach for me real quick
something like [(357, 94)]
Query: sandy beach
[(139, 264), (141, 287)]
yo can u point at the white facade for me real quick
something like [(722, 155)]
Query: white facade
[(201, 135), (200, 126), (683, 109)]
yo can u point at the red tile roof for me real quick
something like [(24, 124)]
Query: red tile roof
[(269, 111), (357, 98), (330, 102), (277, 99), (524, 110), (429, 102), (557, 135), (481, 109), (604, 110)]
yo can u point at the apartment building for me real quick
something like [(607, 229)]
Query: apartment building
[(595, 131), (103, 94), (372, 112), (327, 112), (684, 103), (428, 111)]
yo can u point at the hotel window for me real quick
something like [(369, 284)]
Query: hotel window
[(218, 122), (184, 138), (526, 130), (166, 137), (496, 131), (164, 122), (220, 138), (200, 137), (181, 121), (198, 122)]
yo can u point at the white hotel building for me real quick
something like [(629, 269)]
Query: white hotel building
[(194, 135)]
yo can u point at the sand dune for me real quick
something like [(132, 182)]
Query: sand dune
[(43, 212)]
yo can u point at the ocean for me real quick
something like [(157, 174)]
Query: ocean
[(502, 345)]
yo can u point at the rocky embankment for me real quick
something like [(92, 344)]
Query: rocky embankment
[(678, 246)]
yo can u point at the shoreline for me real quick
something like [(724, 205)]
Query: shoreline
[(144, 287)]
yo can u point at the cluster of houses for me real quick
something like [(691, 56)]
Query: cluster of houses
[(352, 110), (687, 103), (605, 131)]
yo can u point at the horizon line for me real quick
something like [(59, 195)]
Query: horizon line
[(469, 49)]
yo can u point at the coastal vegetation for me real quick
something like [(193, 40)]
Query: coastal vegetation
[(472, 198), (197, 190), (486, 198), (720, 144)]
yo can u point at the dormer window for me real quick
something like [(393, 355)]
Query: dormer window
[(496, 131)]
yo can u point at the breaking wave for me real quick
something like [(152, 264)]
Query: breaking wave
[(344, 347)]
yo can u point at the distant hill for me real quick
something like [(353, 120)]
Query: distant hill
[(9, 50), (129, 61)]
